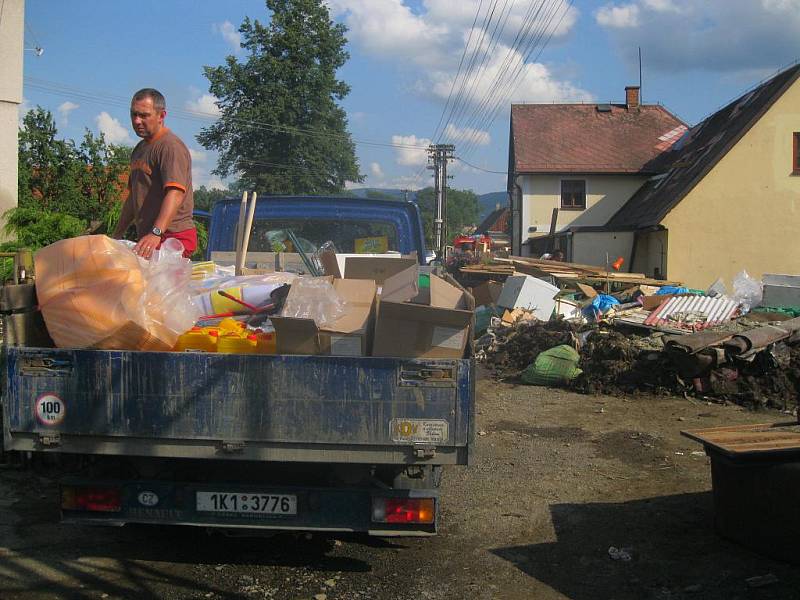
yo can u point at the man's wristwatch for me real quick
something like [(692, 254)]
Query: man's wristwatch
[(156, 231)]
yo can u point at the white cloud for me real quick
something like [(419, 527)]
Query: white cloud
[(375, 169), (229, 33), (410, 156), (198, 156), (112, 129), (745, 37), (202, 176), (663, 5), (205, 105), (467, 134), (618, 17), (429, 42), (64, 109)]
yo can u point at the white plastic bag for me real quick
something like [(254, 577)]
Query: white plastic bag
[(314, 298), (747, 291)]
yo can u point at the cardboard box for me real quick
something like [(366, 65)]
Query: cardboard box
[(653, 302), (397, 277), (350, 335), (487, 293), (530, 293), (439, 330)]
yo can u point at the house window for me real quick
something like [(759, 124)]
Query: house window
[(573, 194), (796, 154)]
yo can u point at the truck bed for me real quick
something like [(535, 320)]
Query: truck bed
[(239, 407)]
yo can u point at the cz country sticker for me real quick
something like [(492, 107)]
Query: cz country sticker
[(50, 410), (413, 431)]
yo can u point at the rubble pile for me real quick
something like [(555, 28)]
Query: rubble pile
[(639, 338), (615, 363), (509, 350)]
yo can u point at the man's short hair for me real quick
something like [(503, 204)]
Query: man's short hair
[(159, 102)]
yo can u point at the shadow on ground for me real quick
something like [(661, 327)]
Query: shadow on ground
[(674, 554)]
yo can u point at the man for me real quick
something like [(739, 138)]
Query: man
[(160, 199)]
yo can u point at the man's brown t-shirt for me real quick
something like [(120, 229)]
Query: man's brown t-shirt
[(160, 163)]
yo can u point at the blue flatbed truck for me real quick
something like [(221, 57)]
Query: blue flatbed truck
[(310, 443)]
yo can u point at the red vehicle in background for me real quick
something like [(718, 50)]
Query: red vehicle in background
[(478, 242)]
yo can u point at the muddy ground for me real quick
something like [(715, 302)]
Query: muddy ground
[(558, 479)]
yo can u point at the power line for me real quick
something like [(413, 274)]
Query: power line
[(487, 19), (514, 79), (192, 115), (460, 64), (481, 70), (514, 55), (458, 158)]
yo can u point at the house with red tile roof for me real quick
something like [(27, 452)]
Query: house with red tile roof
[(702, 203), (576, 165)]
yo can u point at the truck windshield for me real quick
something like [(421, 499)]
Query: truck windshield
[(271, 235)]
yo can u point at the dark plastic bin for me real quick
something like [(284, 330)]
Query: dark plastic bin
[(757, 502)]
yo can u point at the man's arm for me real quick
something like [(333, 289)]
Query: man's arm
[(169, 207)]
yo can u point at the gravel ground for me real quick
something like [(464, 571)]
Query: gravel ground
[(558, 479)]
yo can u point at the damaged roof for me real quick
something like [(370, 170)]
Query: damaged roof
[(590, 138), (696, 153)]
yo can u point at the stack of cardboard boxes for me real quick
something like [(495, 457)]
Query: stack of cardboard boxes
[(392, 308)]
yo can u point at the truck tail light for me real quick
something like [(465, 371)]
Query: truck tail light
[(94, 499), (403, 510)]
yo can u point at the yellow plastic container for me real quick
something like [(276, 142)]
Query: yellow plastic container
[(267, 343), (233, 343), (228, 325), (197, 340)]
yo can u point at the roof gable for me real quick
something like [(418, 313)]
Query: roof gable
[(701, 148), (580, 138)]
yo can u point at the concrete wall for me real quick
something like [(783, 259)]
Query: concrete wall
[(11, 49), (590, 247), (605, 194), (745, 214)]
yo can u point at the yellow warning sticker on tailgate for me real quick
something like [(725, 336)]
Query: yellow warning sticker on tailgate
[(414, 431)]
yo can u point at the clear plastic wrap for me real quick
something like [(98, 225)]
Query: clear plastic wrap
[(747, 291), (94, 292), (314, 298)]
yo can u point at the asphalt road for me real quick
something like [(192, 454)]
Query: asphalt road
[(558, 480)]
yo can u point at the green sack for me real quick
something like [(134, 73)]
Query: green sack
[(556, 366)]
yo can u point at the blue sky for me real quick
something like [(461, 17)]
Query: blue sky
[(404, 61)]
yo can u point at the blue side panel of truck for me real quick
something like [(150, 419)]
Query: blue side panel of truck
[(404, 216), (266, 407)]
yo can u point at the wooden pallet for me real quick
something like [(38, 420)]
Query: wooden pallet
[(750, 440)]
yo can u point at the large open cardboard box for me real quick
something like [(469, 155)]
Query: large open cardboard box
[(439, 330), (350, 335)]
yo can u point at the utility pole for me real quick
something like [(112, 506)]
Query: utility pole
[(438, 156)]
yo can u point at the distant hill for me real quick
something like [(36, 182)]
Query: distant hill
[(396, 194), (488, 202)]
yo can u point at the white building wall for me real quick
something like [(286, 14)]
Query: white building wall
[(11, 50)]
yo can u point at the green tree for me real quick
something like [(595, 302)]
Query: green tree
[(204, 198), (281, 129), (56, 176), (462, 211), (64, 189)]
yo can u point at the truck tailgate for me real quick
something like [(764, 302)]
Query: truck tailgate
[(249, 407)]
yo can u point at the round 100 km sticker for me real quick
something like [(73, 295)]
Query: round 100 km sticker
[(50, 409)]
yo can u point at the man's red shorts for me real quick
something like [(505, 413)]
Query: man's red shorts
[(187, 237)]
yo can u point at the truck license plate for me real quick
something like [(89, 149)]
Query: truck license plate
[(263, 504)]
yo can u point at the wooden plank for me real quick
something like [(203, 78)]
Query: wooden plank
[(750, 438)]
